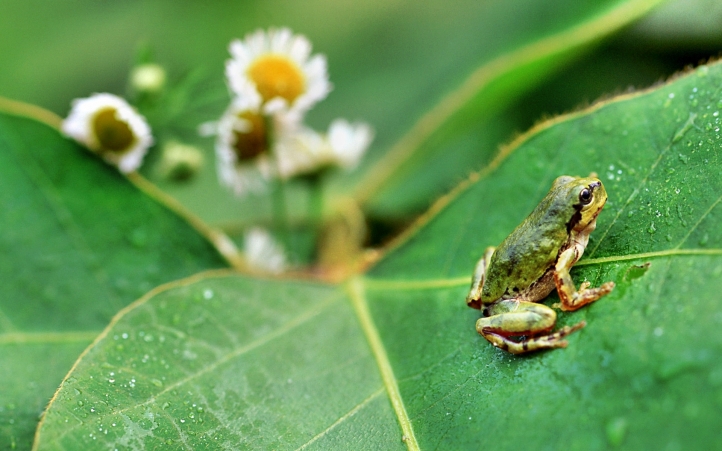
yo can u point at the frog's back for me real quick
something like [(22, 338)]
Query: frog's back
[(528, 252)]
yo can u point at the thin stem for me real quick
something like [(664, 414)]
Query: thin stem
[(278, 195), (280, 215), (315, 201)]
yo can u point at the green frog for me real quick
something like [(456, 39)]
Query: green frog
[(510, 280)]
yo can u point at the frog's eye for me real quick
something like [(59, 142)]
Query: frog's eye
[(585, 196)]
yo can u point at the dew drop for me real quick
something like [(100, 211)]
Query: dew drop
[(616, 430)]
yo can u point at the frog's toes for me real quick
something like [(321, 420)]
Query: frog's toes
[(607, 288)]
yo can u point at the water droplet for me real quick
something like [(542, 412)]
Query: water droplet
[(124, 335), (138, 238), (658, 331), (182, 420), (156, 382), (616, 430), (207, 294), (704, 239), (112, 381)]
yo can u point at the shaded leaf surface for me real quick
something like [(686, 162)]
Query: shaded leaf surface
[(644, 373), (78, 243)]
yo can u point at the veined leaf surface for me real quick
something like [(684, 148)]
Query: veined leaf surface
[(78, 243)]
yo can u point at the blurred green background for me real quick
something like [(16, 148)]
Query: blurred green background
[(389, 62), (55, 51)]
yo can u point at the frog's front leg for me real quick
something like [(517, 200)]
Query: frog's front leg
[(510, 318), (568, 294), (473, 299)]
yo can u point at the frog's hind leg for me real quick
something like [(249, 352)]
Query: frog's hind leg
[(510, 318)]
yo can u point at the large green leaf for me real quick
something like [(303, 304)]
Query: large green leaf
[(202, 364), (393, 356), (78, 243)]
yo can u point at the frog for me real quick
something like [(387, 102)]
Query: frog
[(510, 280)]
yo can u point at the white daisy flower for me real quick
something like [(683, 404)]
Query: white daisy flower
[(108, 126), (243, 148), (308, 151), (263, 252), (277, 66)]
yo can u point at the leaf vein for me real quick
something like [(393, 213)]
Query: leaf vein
[(343, 418), (360, 305)]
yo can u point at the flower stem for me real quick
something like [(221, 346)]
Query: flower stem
[(315, 201), (278, 195), (280, 216)]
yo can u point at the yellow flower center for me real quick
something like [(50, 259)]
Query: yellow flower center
[(277, 76), (113, 134), (252, 142)]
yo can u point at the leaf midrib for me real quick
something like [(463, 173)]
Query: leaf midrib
[(380, 284)]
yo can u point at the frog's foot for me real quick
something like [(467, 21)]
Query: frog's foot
[(585, 296), (550, 341)]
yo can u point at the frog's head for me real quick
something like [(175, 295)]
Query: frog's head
[(586, 196)]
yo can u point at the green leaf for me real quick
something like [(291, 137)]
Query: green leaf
[(78, 243), (202, 364), (394, 355), (461, 131)]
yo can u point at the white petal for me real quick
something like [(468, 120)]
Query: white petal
[(263, 252)]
